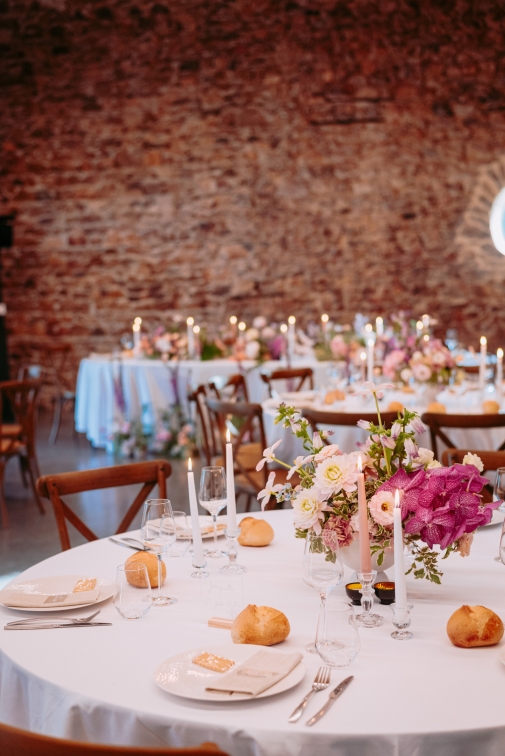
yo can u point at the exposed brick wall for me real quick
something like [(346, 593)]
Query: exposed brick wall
[(215, 157)]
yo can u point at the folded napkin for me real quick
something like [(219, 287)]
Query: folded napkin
[(13, 597), (260, 672)]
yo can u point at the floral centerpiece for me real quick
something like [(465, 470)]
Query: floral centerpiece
[(441, 506), (263, 341)]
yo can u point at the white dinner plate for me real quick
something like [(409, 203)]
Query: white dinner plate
[(58, 584), (178, 675), (298, 396), (496, 519), (205, 526)]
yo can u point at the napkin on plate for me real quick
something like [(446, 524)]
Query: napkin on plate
[(260, 672), (13, 597)]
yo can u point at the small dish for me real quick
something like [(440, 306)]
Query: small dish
[(385, 592), (353, 591)]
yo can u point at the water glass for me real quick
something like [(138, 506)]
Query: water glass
[(132, 592), (213, 498), (337, 637), (322, 570), (158, 534), (183, 535)]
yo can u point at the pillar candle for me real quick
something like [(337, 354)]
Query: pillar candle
[(370, 359), (191, 339), (198, 558), (482, 366), (365, 559), (400, 583), (230, 485), (379, 326), (499, 371)]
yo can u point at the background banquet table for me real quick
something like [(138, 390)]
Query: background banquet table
[(419, 697), (104, 384)]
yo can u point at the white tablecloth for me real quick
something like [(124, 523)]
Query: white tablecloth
[(147, 388), (415, 698)]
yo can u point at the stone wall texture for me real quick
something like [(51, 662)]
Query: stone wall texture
[(211, 157)]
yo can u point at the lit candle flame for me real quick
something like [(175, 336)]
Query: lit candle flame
[(190, 465), (397, 498), (284, 328), (360, 464), (370, 342), (483, 341), (241, 326), (228, 436), (379, 320), (137, 321), (291, 320), (362, 356), (499, 353), (419, 325), (196, 329), (369, 328), (190, 321), (325, 318), (426, 337), (136, 327), (233, 319)]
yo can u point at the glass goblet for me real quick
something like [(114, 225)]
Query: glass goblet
[(322, 570), (158, 534), (213, 498), (132, 591), (182, 535), (337, 637)]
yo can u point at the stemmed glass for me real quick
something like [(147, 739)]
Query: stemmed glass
[(499, 488), (322, 570), (213, 498), (158, 534)]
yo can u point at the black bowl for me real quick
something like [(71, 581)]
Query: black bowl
[(353, 591), (385, 592)]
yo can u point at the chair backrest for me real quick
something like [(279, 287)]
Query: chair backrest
[(233, 388), (250, 427), (22, 398), (53, 487), (491, 460), (15, 742), (289, 374), (206, 439), (437, 421), (323, 417)]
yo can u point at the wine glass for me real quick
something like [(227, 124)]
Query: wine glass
[(322, 570), (499, 488), (213, 498), (158, 534), (182, 535), (132, 591), (126, 341), (337, 637)]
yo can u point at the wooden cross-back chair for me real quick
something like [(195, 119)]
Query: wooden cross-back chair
[(206, 439), (53, 487), (233, 388), (248, 445), (317, 418), (492, 460), (18, 439), (299, 377), (438, 421), (16, 742)]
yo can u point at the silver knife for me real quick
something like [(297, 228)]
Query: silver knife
[(331, 700), (49, 627), (126, 545)]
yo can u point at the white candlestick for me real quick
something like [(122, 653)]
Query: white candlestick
[(284, 330), (370, 359), (291, 337), (482, 366), (196, 341), (419, 328), (400, 583), (230, 486), (499, 372), (233, 323), (365, 559), (324, 323), (426, 321), (362, 357), (191, 339), (198, 558), (379, 326), (136, 336)]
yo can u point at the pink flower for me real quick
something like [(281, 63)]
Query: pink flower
[(381, 506), (392, 362), (331, 450), (338, 347), (337, 532)]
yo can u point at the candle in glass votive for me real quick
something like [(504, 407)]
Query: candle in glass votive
[(230, 486), (400, 583), (191, 339), (379, 326), (370, 359), (365, 559), (499, 371), (198, 558), (482, 366)]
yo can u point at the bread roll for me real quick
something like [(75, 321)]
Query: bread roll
[(260, 625), (255, 532), (151, 562), (436, 407), (334, 396), (472, 626), (490, 407), (395, 407)]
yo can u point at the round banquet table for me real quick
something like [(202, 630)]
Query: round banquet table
[(413, 698)]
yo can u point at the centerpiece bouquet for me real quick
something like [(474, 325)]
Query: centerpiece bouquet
[(441, 506)]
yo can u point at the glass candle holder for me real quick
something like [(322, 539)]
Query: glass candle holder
[(401, 620), (367, 618), (232, 552)]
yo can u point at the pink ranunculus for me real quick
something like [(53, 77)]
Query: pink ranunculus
[(392, 362), (337, 531)]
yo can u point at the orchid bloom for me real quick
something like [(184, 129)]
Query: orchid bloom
[(370, 388), (299, 462), (269, 490), (411, 448), (268, 455)]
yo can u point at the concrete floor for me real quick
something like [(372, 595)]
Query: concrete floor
[(32, 536)]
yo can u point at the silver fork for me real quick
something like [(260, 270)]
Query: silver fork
[(76, 620), (321, 682)]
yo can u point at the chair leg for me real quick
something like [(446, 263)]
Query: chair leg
[(55, 429), (4, 515), (22, 468), (38, 500), (248, 503)]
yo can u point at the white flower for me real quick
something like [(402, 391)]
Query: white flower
[(421, 372), (332, 450), (388, 442), (259, 322), (473, 459), (396, 429), (252, 334), (268, 455), (363, 424), (336, 474), (417, 425), (252, 350), (299, 462), (269, 490), (382, 507), (411, 447), (308, 510), (370, 388), (433, 465), (406, 374), (316, 441)]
